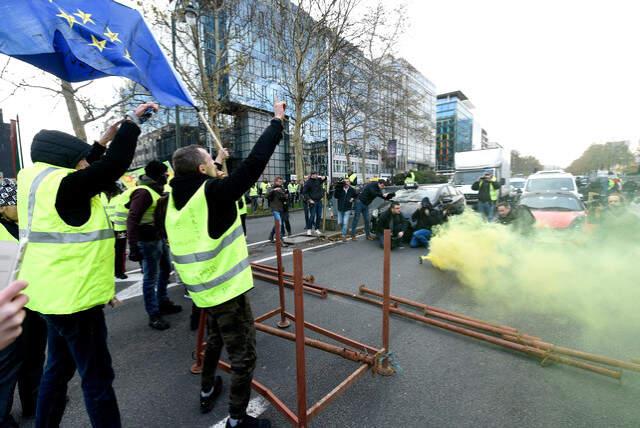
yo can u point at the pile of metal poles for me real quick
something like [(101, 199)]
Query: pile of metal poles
[(500, 335)]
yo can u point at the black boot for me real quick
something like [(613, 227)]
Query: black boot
[(251, 422), (156, 322), (167, 307), (206, 403)]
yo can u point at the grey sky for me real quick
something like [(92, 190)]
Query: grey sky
[(547, 78)]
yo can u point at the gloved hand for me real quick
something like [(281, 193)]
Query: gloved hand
[(390, 195), (134, 254)]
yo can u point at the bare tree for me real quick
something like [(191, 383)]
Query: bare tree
[(211, 56), (305, 35), (82, 106), (380, 28)]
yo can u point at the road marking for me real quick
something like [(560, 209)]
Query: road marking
[(257, 243), (133, 271), (256, 407), (135, 290)]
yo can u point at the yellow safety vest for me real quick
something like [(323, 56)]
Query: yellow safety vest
[(410, 179), (214, 271), (120, 212), (241, 206), (253, 191), (147, 217), (493, 193), (69, 268), (292, 188), (5, 235), (352, 178)]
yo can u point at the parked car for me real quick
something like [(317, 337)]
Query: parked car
[(551, 181), (443, 195), (556, 210)]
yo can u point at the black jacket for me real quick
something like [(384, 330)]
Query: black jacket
[(76, 189), (427, 220), (139, 202), (396, 222), (369, 193), (222, 194), (277, 197), (344, 198), (483, 188), (312, 189), (519, 217), (11, 227)]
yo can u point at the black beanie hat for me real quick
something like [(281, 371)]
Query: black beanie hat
[(155, 170), (58, 148)]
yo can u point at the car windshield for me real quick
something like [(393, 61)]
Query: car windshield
[(552, 202), (467, 177), (550, 184), (518, 184), (416, 195)]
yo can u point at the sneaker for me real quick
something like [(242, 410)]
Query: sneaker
[(318, 232), (208, 400), (370, 238), (187, 295), (272, 241), (250, 422), (284, 244), (354, 238), (122, 276), (308, 232), (344, 239), (167, 307), (156, 322)]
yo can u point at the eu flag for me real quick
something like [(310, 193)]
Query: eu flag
[(79, 40)]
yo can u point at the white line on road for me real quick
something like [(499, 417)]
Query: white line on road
[(257, 243), (256, 407), (135, 290)]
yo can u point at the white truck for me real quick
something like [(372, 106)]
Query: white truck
[(471, 165)]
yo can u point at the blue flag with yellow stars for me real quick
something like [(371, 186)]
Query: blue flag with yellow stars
[(80, 40)]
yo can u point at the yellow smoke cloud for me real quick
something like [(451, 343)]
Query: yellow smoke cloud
[(593, 277)]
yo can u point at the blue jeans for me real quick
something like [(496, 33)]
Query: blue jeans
[(487, 209), (78, 342), (343, 220), (358, 209), (315, 215), (420, 238), (156, 267), (277, 216)]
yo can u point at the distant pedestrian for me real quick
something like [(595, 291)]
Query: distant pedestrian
[(292, 188), (253, 195), (264, 191), (345, 195), (488, 189), (277, 199), (312, 194), (370, 192)]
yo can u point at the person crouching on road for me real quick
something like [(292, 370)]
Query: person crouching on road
[(68, 262), (394, 220), (210, 255), (425, 217), (20, 362), (277, 199), (520, 217), (146, 245)]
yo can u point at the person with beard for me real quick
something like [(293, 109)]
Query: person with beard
[(393, 220), (22, 361), (425, 218), (147, 246)]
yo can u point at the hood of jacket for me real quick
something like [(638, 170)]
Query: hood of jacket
[(58, 149)]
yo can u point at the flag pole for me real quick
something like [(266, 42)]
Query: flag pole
[(217, 142)]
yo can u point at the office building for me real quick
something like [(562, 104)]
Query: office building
[(9, 157), (454, 128)]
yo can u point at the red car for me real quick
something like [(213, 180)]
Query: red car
[(556, 210)]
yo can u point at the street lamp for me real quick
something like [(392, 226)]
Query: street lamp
[(191, 15)]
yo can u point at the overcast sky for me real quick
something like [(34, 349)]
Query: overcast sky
[(547, 78)]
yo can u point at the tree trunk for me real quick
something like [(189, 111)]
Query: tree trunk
[(297, 146), (347, 149), (365, 136), (68, 93)]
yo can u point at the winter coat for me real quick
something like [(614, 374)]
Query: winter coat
[(345, 198)]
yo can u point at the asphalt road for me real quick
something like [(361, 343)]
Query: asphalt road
[(445, 380)]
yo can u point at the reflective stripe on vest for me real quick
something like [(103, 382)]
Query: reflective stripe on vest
[(69, 268), (120, 212), (241, 209), (5, 235), (213, 270)]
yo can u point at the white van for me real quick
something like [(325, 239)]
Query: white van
[(551, 181)]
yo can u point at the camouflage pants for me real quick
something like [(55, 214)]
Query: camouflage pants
[(231, 325)]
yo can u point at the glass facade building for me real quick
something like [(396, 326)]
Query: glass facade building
[(454, 128)]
